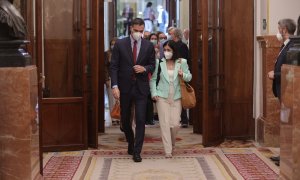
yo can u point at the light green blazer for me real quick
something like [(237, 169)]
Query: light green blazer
[(162, 89)]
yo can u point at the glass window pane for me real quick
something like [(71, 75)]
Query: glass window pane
[(62, 65), (155, 16)]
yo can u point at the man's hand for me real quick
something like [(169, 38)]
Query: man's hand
[(116, 93), (271, 75), (139, 69), (107, 83)]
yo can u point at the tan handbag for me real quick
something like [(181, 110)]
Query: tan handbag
[(116, 111), (188, 98)]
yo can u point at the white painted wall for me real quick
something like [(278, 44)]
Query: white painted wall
[(184, 18), (280, 9)]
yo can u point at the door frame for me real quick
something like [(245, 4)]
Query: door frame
[(41, 100), (203, 114)]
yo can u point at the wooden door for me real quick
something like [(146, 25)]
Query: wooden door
[(171, 8), (62, 61), (95, 73), (207, 69), (239, 56), (222, 49)]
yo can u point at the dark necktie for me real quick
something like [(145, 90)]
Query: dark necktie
[(134, 52)]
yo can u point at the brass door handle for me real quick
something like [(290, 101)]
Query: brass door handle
[(42, 78)]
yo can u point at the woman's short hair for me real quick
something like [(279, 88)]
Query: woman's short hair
[(173, 46)]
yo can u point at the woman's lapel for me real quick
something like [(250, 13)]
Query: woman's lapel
[(164, 70), (177, 67)]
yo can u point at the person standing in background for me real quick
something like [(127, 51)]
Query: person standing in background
[(162, 19), (286, 28), (107, 59), (162, 37), (146, 35), (153, 38), (133, 58), (128, 16), (186, 35), (149, 17), (150, 105)]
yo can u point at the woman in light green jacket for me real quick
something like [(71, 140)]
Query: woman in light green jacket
[(165, 90)]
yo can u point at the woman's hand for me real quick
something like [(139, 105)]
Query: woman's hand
[(180, 72), (155, 98)]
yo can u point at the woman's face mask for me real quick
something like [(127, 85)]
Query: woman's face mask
[(168, 54), (154, 42)]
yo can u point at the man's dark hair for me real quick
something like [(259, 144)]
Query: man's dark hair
[(149, 4), (137, 21), (173, 46), (289, 24)]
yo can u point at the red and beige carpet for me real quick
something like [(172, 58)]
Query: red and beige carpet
[(190, 161)]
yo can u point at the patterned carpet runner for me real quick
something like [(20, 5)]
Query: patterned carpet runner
[(190, 161)]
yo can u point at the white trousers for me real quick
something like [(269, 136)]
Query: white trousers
[(148, 26), (169, 121)]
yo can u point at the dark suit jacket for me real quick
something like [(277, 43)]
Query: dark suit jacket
[(183, 51), (121, 65), (281, 59)]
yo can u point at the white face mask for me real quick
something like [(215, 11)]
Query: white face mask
[(137, 35), (168, 54), (154, 42), (279, 36)]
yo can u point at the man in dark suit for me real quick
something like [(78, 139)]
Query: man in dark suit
[(132, 59), (286, 28)]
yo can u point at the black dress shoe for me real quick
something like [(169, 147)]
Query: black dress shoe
[(184, 125), (275, 158), (137, 158)]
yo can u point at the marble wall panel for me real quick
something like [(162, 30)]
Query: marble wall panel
[(19, 144), (268, 125), (290, 123)]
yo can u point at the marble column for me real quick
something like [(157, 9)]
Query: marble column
[(19, 137), (268, 129), (290, 123)]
